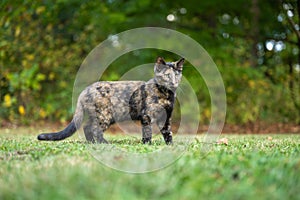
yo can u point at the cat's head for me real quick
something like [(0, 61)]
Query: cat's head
[(168, 74)]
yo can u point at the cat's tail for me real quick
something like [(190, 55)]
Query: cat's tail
[(69, 130)]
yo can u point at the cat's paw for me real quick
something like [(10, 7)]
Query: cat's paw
[(168, 139), (146, 140), (102, 141), (169, 142)]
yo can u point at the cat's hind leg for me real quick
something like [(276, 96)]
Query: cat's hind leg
[(93, 131), (99, 133), (88, 134)]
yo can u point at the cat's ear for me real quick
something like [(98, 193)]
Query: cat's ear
[(160, 64), (179, 64), (161, 61)]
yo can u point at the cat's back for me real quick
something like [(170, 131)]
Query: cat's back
[(113, 90), (111, 97)]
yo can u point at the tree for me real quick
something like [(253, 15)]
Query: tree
[(255, 44)]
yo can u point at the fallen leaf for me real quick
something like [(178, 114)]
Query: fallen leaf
[(223, 141), (270, 138)]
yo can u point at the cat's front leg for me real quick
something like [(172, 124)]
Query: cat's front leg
[(166, 131), (146, 129)]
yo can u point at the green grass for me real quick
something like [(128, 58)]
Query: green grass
[(249, 167)]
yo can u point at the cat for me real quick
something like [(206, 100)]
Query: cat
[(105, 102)]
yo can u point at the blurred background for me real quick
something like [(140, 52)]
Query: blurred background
[(255, 45)]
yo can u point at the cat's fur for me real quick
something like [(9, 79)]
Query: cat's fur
[(105, 103)]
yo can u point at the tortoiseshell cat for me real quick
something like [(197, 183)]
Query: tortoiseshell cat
[(107, 102)]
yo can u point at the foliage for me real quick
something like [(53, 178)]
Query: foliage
[(44, 43), (249, 167)]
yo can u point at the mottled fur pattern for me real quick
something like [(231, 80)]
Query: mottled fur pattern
[(105, 103)]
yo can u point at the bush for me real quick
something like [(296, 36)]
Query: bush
[(43, 45)]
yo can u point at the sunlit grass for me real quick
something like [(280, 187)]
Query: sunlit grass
[(249, 167)]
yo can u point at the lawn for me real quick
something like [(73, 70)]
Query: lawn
[(249, 167)]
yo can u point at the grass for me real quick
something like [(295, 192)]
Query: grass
[(249, 167)]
